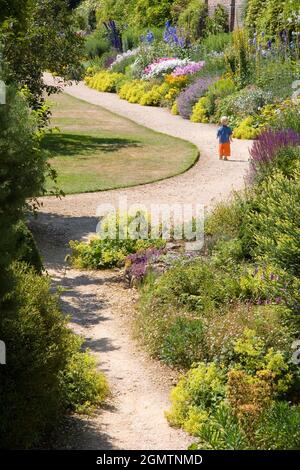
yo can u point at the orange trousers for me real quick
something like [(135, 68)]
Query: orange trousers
[(225, 150)]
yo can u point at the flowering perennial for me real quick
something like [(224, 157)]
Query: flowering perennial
[(166, 65), (124, 56), (189, 69)]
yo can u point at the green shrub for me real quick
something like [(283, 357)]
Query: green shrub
[(244, 103), (119, 235), (83, 386), (201, 110), (239, 58), (193, 19), (278, 429), (26, 249), (96, 44), (226, 407), (195, 397), (183, 343), (246, 129), (218, 22), (276, 76), (23, 169), (225, 220), (218, 91), (41, 349), (105, 81), (274, 225)]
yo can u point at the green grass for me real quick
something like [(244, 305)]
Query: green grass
[(96, 150)]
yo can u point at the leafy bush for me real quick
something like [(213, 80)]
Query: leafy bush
[(195, 396), (216, 92), (84, 387), (239, 58), (215, 43), (274, 225), (26, 249), (183, 342), (276, 76), (244, 103), (105, 81), (189, 97), (96, 44), (226, 407), (119, 236), (218, 22), (193, 19), (278, 429), (41, 352), (201, 110), (246, 129), (133, 91), (286, 116)]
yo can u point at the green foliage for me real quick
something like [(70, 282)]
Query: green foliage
[(193, 19), (44, 373), (183, 342), (246, 129), (151, 12), (226, 408), (44, 40), (274, 224), (219, 22), (105, 81), (200, 390), (217, 92), (215, 43), (96, 44), (22, 171), (239, 58), (271, 16), (244, 103), (276, 76), (26, 249), (84, 387), (119, 236)]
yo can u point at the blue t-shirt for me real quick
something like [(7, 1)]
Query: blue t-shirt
[(224, 133)]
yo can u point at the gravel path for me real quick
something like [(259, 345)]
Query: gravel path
[(208, 182), (101, 307)]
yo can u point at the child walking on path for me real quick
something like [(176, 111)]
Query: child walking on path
[(225, 138)]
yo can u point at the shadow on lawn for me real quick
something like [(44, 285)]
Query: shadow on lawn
[(82, 144)]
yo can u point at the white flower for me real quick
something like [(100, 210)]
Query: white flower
[(160, 68), (125, 55)]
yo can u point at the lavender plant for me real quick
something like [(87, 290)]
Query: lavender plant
[(268, 146), (190, 96)]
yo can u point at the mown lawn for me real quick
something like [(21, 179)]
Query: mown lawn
[(95, 150)]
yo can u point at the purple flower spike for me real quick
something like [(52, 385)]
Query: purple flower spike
[(268, 144)]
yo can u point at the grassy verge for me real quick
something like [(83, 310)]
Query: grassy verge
[(96, 150)]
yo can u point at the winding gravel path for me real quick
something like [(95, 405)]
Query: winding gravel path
[(208, 182), (101, 306)]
